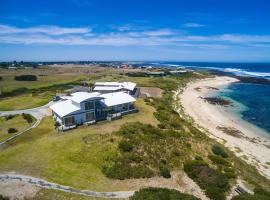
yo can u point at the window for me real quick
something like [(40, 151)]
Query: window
[(69, 121), (89, 105), (90, 116)]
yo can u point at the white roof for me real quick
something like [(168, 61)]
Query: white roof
[(106, 88), (79, 97), (64, 108), (117, 98), (114, 85)]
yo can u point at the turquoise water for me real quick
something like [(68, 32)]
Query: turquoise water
[(251, 102)]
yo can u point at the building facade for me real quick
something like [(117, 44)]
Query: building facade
[(87, 108)]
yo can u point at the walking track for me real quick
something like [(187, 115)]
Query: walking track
[(49, 185)]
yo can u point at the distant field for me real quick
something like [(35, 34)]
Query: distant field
[(46, 76), (51, 80), (57, 156)]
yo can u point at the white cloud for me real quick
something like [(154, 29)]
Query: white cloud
[(193, 25), (50, 30), (148, 37)]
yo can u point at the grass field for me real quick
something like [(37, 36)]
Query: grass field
[(73, 158), (50, 80), (25, 101), (17, 122)]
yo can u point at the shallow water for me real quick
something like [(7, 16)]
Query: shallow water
[(251, 102)]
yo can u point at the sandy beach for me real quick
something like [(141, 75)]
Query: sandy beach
[(250, 142)]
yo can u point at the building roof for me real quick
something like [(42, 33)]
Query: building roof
[(64, 108), (113, 99), (99, 86), (79, 97)]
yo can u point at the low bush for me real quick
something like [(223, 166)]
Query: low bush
[(125, 146), (164, 171), (218, 150), (56, 124), (28, 117), (212, 181), (26, 78), (218, 160), (161, 194), (123, 170), (12, 130), (9, 117)]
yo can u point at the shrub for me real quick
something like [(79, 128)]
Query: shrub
[(1, 78), (214, 182), (28, 117), (218, 160), (3, 198), (56, 124), (160, 194), (12, 130), (123, 170), (125, 146), (164, 171), (26, 78), (8, 117), (218, 150)]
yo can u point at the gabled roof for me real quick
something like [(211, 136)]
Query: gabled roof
[(64, 108), (79, 97), (117, 98), (114, 86)]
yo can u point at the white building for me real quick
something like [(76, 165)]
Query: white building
[(87, 108), (109, 87)]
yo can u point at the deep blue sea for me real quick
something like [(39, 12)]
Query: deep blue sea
[(255, 98)]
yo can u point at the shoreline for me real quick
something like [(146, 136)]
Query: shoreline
[(249, 142)]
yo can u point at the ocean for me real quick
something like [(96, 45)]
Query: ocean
[(252, 100)]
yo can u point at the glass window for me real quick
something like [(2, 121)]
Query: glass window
[(69, 121), (90, 116), (89, 105)]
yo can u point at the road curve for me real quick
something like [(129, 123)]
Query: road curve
[(49, 185), (38, 112)]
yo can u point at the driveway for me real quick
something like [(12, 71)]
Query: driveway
[(38, 112)]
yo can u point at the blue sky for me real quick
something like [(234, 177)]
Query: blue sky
[(175, 30)]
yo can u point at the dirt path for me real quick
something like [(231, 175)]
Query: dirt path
[(49, 185)]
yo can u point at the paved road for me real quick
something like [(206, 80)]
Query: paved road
[(49, 185), (38, 112)]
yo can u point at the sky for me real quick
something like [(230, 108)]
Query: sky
[(138, 30)]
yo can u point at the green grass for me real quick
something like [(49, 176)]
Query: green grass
[(25, 101), (17, 122), (72, 158)]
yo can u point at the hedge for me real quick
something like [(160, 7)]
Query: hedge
[(26, 78)]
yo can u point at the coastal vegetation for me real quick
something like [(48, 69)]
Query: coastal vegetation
[(160, 194), (212, 181), (156, 141)]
